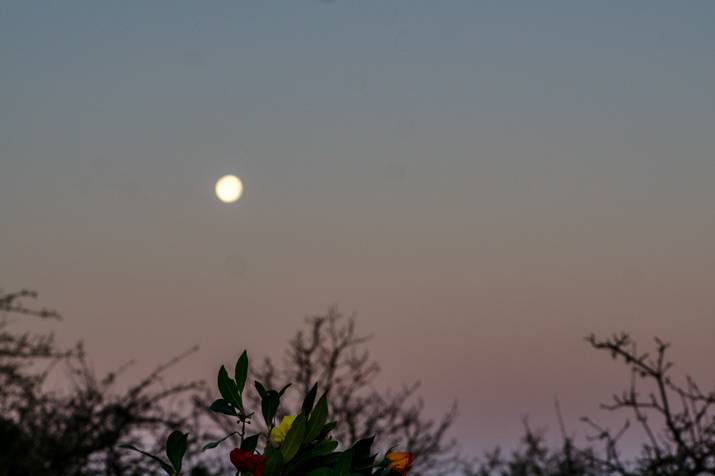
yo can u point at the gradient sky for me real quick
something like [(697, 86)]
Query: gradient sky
[(483, 182)]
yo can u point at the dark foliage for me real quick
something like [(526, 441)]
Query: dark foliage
[(74, 430), (331, 352), (676, 421), (534, 457)]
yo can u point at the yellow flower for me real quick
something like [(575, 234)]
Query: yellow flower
[(400, 462), (278, 434)]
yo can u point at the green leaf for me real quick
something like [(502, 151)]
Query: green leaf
[(274, 467), (309, 400), (363, 447), (294, 438), (283, 390), (241, 372), (222, 406), (269, 407), (317, 419), (324, 447), (164, 465), (363, 457), (319, 472), (176, 445), (308, 454), (327, 428), (260, 389), (228, 390), (214, 444), (250, 443), (342, 466), (270, 451)]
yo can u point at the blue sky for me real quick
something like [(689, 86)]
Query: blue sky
[(476, 177)]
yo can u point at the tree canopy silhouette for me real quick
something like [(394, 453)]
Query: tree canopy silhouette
[(75, 430)]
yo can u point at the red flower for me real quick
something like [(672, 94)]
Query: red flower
[(246, 461)]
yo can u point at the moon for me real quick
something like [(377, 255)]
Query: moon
[(229, 188)]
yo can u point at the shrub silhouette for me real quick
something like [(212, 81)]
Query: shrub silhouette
[(77, 431)]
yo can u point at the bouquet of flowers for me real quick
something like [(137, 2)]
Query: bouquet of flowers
[(300, 445)]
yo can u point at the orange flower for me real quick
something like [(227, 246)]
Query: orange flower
[(400, 462)]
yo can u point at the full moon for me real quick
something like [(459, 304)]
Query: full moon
[(229, 188)]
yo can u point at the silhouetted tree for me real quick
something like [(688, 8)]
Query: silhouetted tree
[(677, 423), (534, 457), (676, 419), (73, 431), (331, 352)]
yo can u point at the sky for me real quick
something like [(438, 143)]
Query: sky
[(483, 183)]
